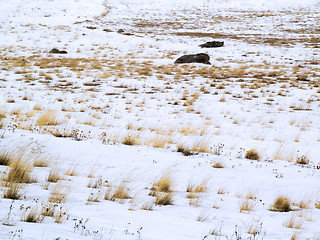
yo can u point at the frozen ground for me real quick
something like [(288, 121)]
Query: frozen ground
[(120, 113)]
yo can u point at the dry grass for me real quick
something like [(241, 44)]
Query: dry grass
[(221, 191), (201, 145), (247, 206), (164, 184), (121, 192), (72, 171), (48, 209), (20, 172), (281, 204), (200, 188), (5, 158), (31, 215), (164, 198), (50, 117), (13, 191), (317, 205), (294, 222), (147, 206), (132, 139), (95, 183), (184, 149), (306, 204), (218, 165), (95, 197), (252, 154), (60, 216), (54, 175), (41, 162), (59, 194)]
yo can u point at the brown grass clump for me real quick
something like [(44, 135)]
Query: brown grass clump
[(164, 184), (218, 165), (121, 192), (252, 154), (41, 162), (5, 158), (48, 209), (59, 194), (200, 188), (293, 222), (247, 206), (72, 171), (50, 117), (184, 149), (95, 183), (20, 172), (281, 204), (31, 215), (201, 146), (13, 191), (95, 197), (147, 206), (60, 216), (317, 204), (54, 176), (164, 198)]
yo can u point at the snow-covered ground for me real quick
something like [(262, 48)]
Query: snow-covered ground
[(119, 112)]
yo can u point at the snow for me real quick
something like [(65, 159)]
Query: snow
[(261, 92)]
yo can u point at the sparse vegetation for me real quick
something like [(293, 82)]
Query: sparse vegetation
[(252, 154), (281, 204)]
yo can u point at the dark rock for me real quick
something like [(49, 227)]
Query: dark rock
[(57, 51), (213, 44), (194, 58), (120, 31)]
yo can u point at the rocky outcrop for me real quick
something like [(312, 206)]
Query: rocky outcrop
[(57, 51), (194, 58), (213, 44)]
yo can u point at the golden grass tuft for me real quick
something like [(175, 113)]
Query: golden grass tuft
[(200, 188), (61, 216), (48, 209), (247, 206), (72, 171), (184, 149), (281, 204), (50, 117), (147, 206), (252, 154), (201, 145), (164, 184), (59, 194), (121, 192), (218, 165), (95, 183), (41, 162), (20, 172), (164, 198), (95, 197), (31, 215), (13, 191), (5, 158), (317, 205), (54, 175), (294, 222)]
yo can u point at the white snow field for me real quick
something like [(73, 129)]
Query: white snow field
[(112, 140)]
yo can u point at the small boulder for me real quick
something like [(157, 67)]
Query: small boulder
[(57, 51), (194, 58), (213, 44)]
